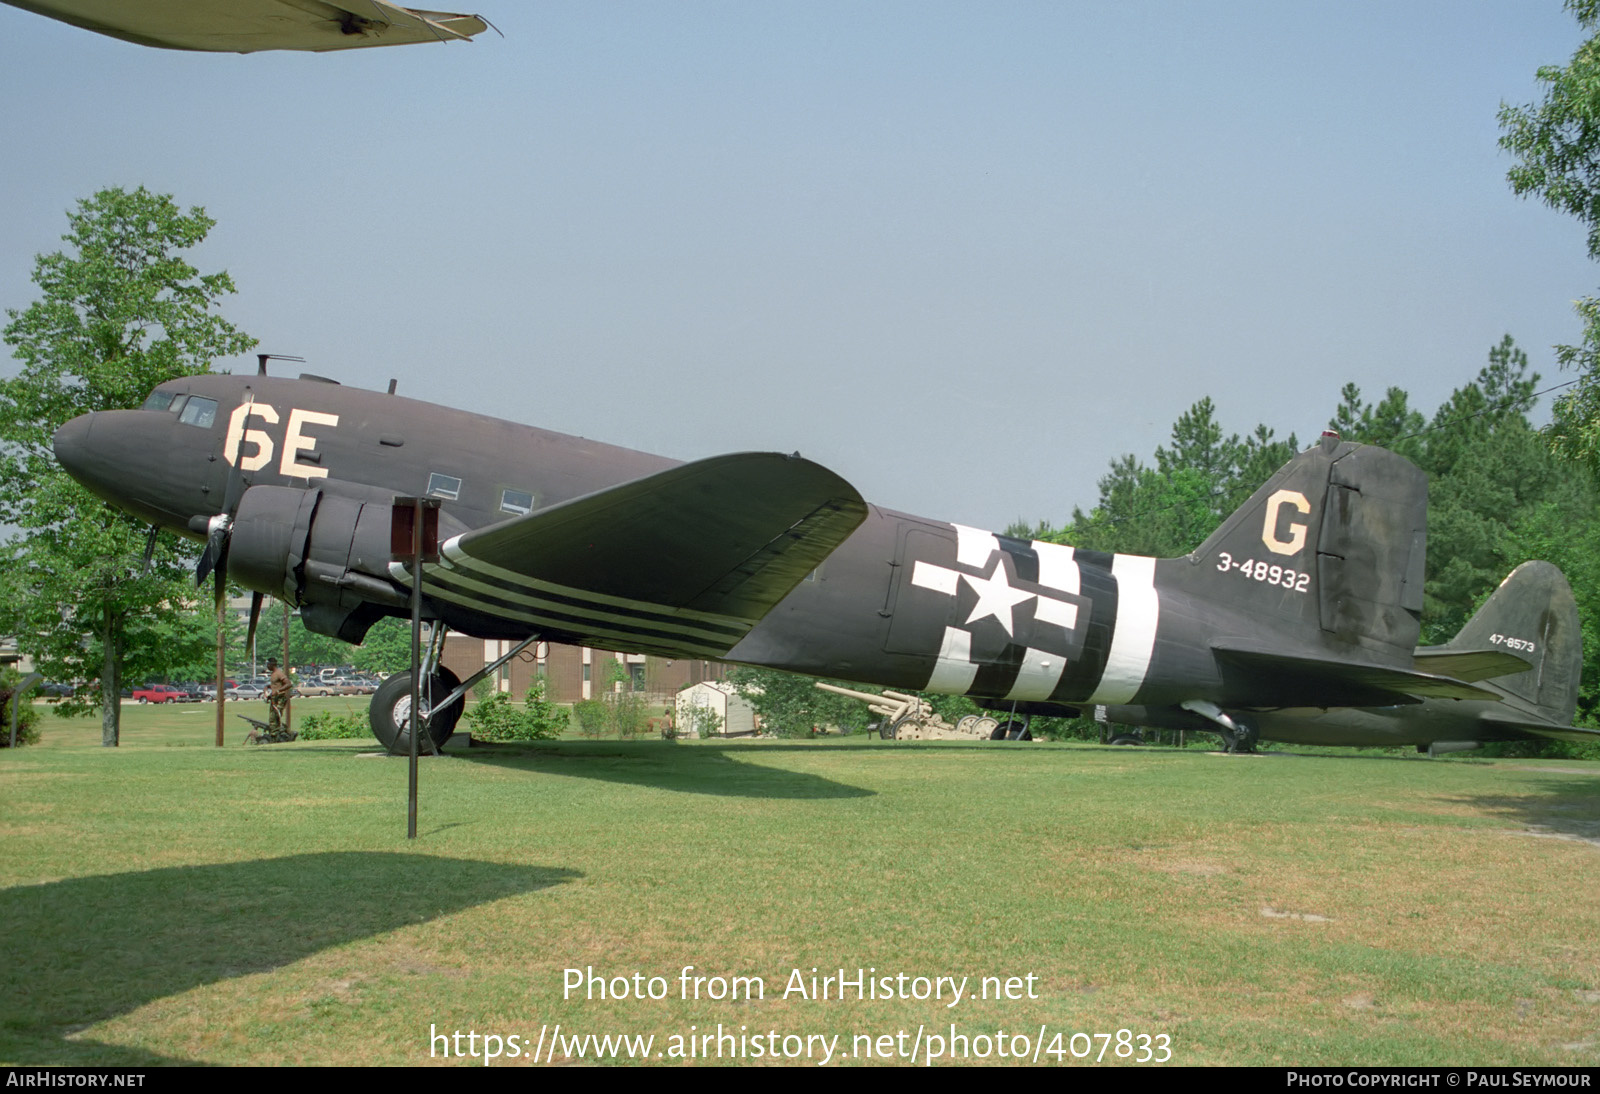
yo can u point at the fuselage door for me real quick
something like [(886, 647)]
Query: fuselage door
[(919, 610)]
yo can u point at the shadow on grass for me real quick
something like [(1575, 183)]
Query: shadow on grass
[(666, 766), (86, 949), (1562, 808)]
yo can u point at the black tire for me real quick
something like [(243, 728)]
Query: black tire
[(1126, 739), (886, 732), (395, 698), (1011, 730), (1247, 738)]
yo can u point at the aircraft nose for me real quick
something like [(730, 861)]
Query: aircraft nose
[(71, 443)]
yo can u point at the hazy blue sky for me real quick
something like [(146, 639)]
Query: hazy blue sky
[(963, 254)]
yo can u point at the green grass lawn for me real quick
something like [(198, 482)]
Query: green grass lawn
[(171, 902)]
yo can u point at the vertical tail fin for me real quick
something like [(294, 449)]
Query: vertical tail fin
[(1532, 614), (1334, 546)]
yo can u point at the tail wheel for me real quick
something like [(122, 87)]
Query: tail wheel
[(390, 712), (1247, 737)]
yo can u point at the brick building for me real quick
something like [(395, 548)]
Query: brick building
[(575, 672)]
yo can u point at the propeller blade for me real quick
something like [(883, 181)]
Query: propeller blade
[(220, 527), (149, 549), (220, 575), (255, 617)]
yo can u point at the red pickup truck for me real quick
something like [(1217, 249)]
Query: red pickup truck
[(161, 693)]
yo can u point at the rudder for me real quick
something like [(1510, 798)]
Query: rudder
[(1336, 540)]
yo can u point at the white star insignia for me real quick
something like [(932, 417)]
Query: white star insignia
[(996, 597)]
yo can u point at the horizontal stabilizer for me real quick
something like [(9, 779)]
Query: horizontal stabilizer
[(1469, 665), (1542, 729), (688, 559), (1275, 679)]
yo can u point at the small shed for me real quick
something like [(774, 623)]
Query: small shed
[(735, 717)]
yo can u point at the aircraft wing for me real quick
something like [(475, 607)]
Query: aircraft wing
[(1300, 681), (246, 26), (683, 561), (1469, 665)]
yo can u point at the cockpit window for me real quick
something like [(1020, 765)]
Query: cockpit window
[(198, 411), (158, 400)]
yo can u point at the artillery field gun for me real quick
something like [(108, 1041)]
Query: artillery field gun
[(910, 718)]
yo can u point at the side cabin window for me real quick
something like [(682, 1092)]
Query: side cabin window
[(198, 411), (517, 502), (158, 400), (444, 486)]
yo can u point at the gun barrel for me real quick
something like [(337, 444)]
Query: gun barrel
[(864, 696)]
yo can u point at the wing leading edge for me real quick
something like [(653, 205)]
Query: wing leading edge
[(684, 561), (246, 26)]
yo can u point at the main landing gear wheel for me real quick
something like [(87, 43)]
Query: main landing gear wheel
[(390, 712), (1011, 730)]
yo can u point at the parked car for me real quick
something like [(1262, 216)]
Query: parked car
[(352, 685), (245, 692)]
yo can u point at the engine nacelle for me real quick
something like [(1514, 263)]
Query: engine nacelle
[(323, 552)]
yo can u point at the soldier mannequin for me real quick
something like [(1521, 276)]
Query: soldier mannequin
[(278, 689)]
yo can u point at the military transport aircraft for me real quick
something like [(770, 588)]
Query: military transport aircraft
[(246, 26), (1307, 597)]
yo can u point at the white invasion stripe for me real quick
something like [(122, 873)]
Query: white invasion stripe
[(1058, 566), (688, 628), (1059, 612), (937, 578), (1138, 611), (974, 546), (452, 551), (1037, 677), (954, 672)]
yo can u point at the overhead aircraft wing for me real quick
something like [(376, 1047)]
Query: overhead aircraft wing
[(1469, 665), (246, 26), (686, 560), (1300, 681)]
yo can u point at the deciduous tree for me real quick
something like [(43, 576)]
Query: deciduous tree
[(120, 310), (1557, 146)]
